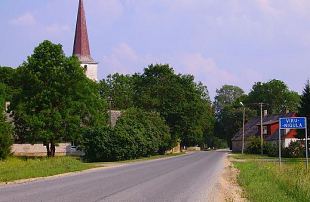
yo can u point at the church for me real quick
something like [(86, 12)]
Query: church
[(81, 45)]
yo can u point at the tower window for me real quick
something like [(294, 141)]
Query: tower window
[(85, 68)]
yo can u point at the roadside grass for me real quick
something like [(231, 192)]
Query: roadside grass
[(267, 181), (15, 168), (24, 168)]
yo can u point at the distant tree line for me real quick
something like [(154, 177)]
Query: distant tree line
[(275, 95), (52, 101)]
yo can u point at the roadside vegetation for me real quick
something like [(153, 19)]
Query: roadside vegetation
[(15, 168), (262, 179)]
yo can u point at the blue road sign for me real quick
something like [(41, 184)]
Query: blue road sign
[(293, 123)]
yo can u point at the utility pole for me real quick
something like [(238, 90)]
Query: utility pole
[(261, 129)]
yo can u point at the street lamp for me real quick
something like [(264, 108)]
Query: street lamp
[(110, 110), (243, 120)]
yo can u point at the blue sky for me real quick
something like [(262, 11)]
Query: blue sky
[(220, 42)]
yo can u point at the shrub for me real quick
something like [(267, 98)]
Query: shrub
[(271, 149), (142, 133), (294, 150), (254, 145), (6, 139), (136, 134), (97, 144)]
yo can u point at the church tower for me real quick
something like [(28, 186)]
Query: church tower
[(81, 45)]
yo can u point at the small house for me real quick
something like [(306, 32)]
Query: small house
[(270, 131)]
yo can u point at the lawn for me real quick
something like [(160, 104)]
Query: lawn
[(263, 180), (23, 168)]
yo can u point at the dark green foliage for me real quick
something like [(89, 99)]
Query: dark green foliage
[(276, 95), (215, 142), (225, 96), (184, 104), (5, 128), (98, 144), (229, 112), (271, 149), (304, 109), (253, 146), (7, 75), (119, 89), (56, 100), (136, 134), (230, 121), (294, 150)]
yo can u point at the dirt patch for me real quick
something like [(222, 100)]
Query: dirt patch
[(229, 190)]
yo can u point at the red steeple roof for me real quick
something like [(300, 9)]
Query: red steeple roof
[(81, 43)]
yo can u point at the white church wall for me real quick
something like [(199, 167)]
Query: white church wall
[(91, 71)]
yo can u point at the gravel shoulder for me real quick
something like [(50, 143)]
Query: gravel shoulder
[(228, 187)]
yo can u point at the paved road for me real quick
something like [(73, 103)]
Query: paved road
[(190, 177)]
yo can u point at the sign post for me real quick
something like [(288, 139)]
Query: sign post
[(294, 123)]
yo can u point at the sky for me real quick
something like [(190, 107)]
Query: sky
[(236, 42)]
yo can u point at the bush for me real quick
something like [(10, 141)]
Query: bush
[(136, 134), (254, 146), (6, 140), (294, 150), (97, 144), (271, 149)]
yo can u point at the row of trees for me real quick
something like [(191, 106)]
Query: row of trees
[(184, 104), (275, 95), (53, 101)]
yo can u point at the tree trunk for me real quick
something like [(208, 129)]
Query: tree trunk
[(53, 149), (50, 149)]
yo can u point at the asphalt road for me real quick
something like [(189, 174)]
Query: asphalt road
[(192, 177)]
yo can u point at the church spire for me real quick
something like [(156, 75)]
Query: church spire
[(81, 43)]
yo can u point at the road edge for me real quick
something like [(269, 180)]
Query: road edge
[(101, 166)]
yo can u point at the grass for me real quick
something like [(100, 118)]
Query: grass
[(22, 168), (266, 181)]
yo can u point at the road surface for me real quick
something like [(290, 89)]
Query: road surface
[(191, 177)]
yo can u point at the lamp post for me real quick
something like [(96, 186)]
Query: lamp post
[(243, 120)]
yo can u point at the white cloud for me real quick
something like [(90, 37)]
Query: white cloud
[(123, 59), (205, 70), (24, 20), (56, 29)]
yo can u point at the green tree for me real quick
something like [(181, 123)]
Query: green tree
[(119, 89), (184, 104), (7, 77), (229, 112), (55, 101), (225, 96), (231, 119), (5, 128), (304, 109), (276, 95)]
